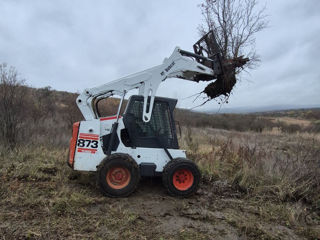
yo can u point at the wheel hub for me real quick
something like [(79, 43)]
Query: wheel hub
[(118, 177), (183, 179)]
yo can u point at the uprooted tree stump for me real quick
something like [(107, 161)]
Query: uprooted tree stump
[(225, 81)]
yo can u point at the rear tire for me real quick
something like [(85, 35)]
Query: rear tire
[(118, 175), (181, 177)]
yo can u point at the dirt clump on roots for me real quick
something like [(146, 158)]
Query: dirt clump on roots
[(225, 82)]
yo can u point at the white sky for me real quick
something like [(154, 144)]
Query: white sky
[(73, 45)]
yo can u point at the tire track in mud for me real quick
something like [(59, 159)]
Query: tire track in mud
[(216, 212), (77, 209)]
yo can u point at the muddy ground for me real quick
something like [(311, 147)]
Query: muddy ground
[(42, 208)]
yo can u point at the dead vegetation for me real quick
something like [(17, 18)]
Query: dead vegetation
[(258, 183), (285, 168), (247, 193)]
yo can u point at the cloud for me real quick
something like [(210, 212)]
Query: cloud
[(73, 45)]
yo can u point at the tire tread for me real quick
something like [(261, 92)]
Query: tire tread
[(167, 171), (125, 157)]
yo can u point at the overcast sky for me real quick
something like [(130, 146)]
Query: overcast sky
[(73, 45)]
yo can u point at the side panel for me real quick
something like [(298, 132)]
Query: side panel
[(153, 155), (88, 152)]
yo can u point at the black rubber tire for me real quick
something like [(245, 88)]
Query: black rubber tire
[(118, 160), (169, 170)]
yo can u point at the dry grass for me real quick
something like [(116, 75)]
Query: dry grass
[(256, 161), (291, 121), (285, 167), (259, 182), (281, 172), (41, 198)]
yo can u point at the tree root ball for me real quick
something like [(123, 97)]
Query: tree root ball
[(225, 81), (222, 86)]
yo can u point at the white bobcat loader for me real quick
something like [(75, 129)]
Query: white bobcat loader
[(142, 141)]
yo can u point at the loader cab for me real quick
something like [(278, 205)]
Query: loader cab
[(159, 132)]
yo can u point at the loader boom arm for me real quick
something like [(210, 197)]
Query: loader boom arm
[(179, 65)]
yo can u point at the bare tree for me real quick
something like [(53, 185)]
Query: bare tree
[(235, 24), (12, 104)]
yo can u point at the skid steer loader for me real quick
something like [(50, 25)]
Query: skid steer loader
[(143, 140)]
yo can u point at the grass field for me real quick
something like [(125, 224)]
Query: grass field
[(261, 178), (255, 186)]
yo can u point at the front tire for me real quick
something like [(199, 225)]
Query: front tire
[(181, 177), (118, 175)]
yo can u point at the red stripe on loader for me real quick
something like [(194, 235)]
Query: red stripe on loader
[(109, 118), (88, 138), (88, 135), (87, 150)]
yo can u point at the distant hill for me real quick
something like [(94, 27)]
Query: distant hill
[(109, 106)]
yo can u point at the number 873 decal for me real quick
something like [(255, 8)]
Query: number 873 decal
[(88, 142)]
